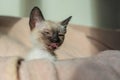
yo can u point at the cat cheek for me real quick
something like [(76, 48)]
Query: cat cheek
[(46, 34), (61, 38)]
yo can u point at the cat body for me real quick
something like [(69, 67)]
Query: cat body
[(37, 53), (46, 35)]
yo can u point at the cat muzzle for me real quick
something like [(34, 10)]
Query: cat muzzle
[(53, 46)]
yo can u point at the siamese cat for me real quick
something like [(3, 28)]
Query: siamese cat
[(46, 35)]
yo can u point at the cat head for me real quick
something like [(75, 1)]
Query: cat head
[(47, 33)]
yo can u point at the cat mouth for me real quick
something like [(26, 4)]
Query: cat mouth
[(53, 46)]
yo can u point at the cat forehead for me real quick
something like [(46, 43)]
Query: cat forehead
[(50, 25)]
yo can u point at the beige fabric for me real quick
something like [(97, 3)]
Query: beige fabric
[(104, 66), (9, 68), (80, 41), (38, 70)]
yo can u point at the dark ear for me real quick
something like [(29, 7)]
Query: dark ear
[(66, 21), (35, 16)]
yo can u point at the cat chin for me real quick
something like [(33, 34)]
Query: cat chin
[(40, 54)]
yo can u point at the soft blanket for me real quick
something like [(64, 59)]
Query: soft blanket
[(79, 42), (104, 66), (9, 67)]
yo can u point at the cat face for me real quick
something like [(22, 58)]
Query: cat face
[(47, 33)]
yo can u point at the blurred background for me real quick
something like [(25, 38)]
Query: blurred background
[(92, 13)]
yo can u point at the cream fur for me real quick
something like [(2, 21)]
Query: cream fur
[(39, 50), (37, 53)]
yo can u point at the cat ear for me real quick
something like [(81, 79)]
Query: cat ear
[(66, 21), (35, 17)]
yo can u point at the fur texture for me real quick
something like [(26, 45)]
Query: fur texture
[(46, 35)]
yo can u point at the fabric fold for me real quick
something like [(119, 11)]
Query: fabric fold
[(38, 70), (9, 68)]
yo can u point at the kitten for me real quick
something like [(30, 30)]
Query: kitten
[(46, 35)]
